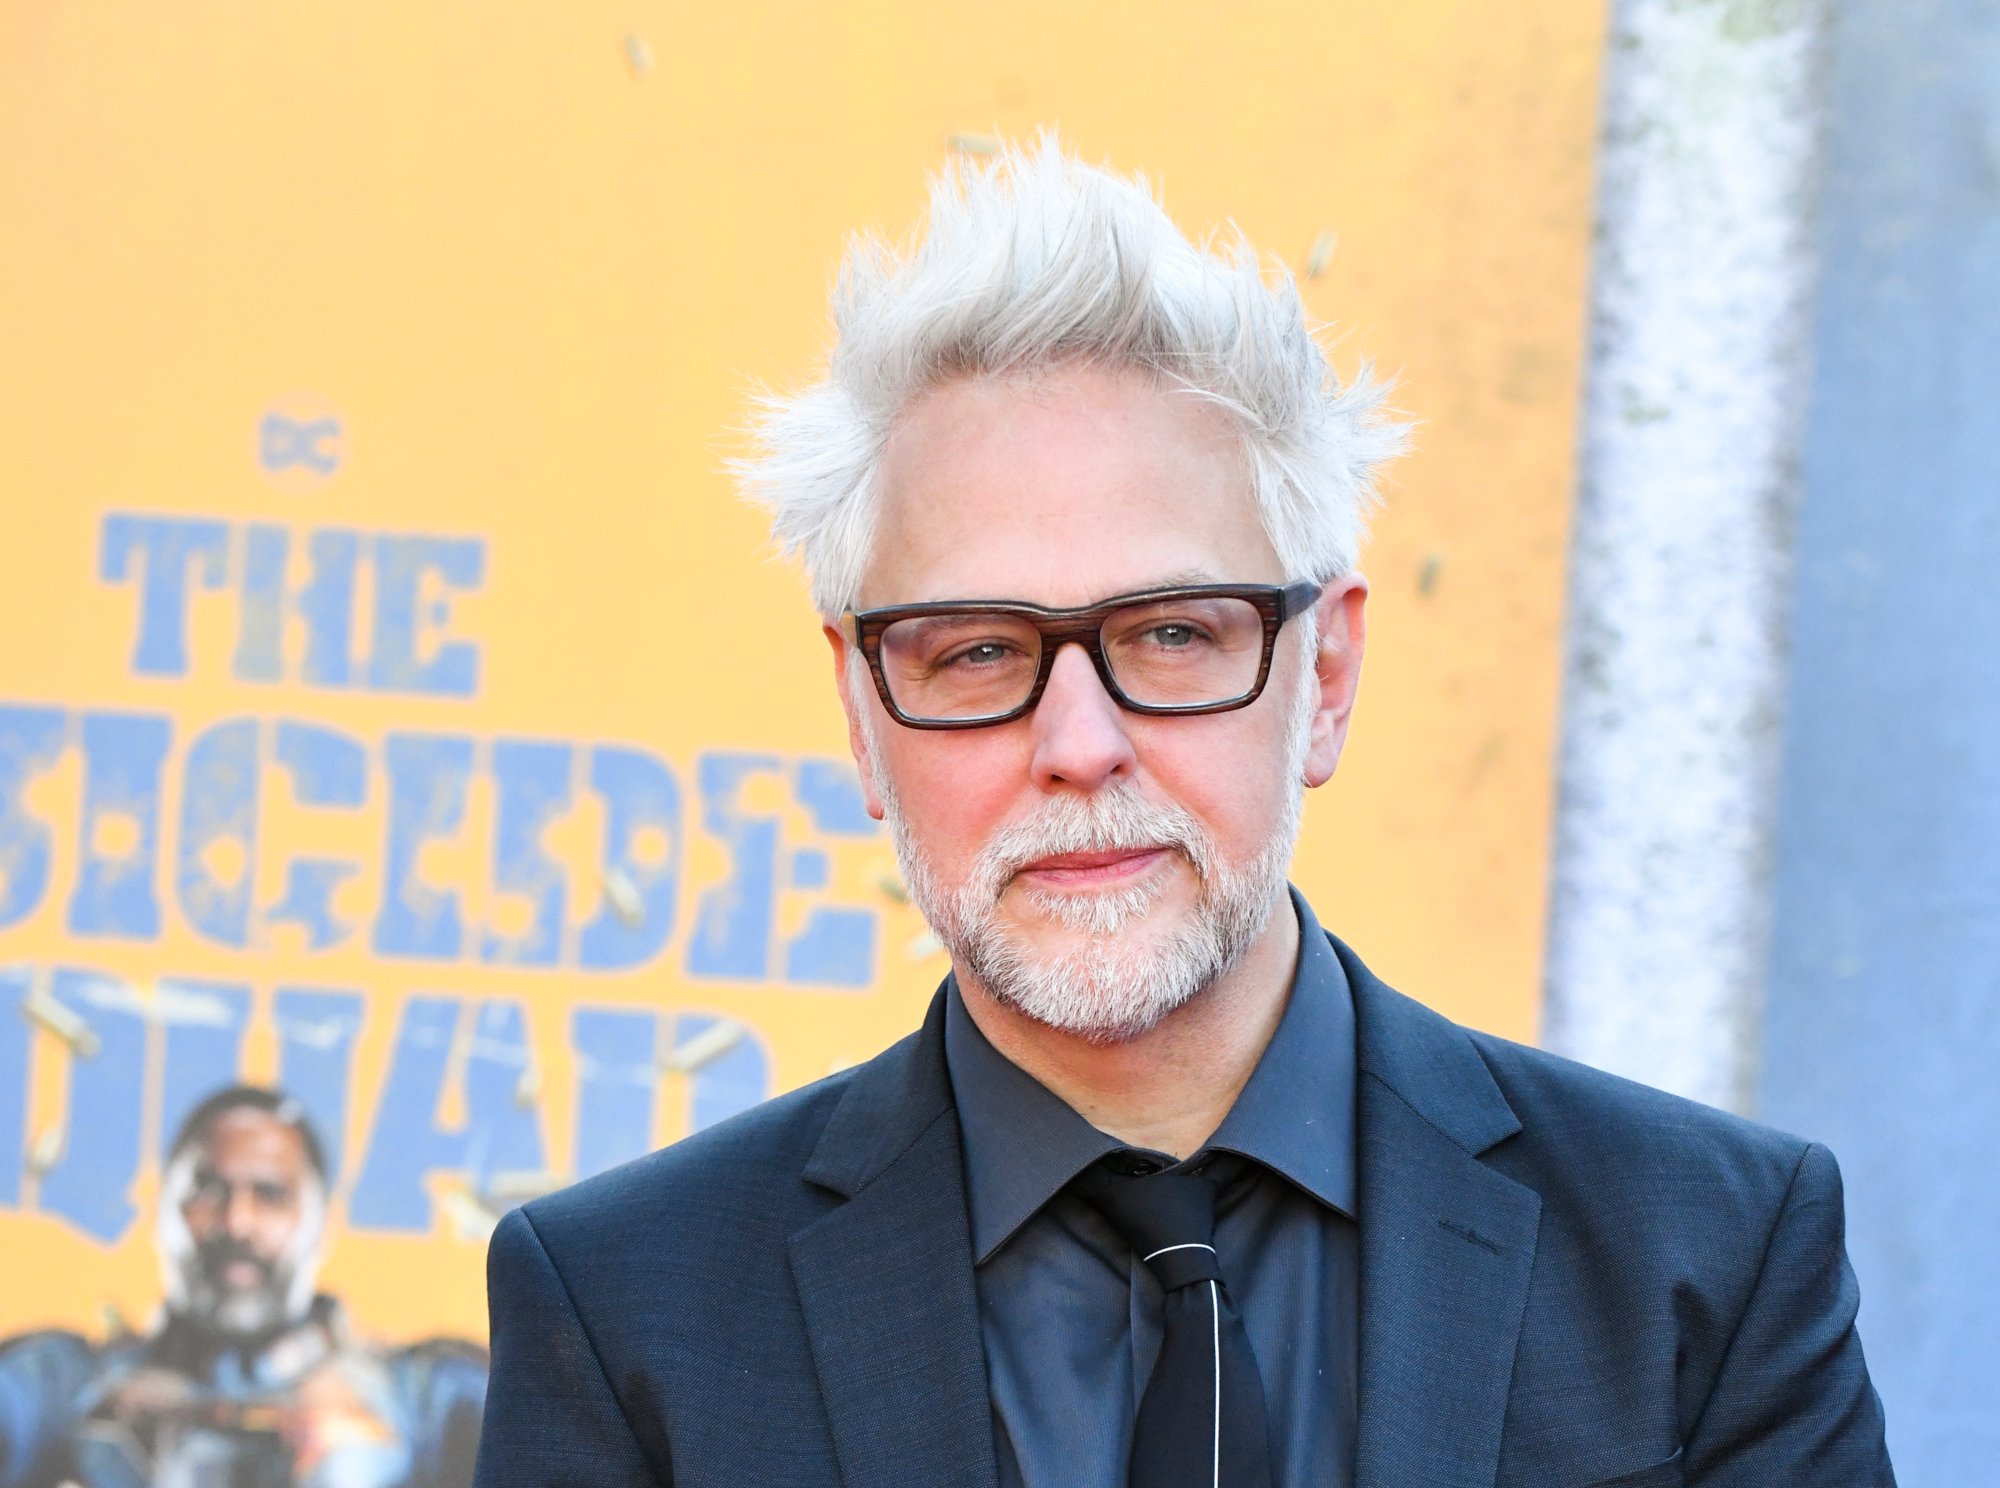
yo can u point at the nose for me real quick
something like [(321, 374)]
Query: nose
[(239, 1216), (1079, 729)]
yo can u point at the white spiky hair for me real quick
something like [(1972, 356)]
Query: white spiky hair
[(1032, 258)]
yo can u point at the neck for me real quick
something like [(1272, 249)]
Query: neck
[(1169, 1088)]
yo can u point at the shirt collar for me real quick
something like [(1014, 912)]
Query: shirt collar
[(1295, 1115), (1022, 1144)]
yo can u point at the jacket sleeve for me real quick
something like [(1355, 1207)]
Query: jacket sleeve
[(552, 1419), (441, 1386), (42, 1376), (1792, 1403)]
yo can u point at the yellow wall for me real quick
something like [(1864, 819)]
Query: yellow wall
[(529, 258)]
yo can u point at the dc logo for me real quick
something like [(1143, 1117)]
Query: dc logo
[(301, 442), (283, 444)]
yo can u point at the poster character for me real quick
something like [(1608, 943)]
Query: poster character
[(251, 1377)]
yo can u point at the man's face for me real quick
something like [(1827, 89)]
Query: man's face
[(1065, 489), (248, 1204)]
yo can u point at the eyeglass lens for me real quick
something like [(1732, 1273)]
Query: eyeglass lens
[(1165, 653)]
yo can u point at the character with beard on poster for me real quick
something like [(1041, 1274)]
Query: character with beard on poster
[(250, 1378)]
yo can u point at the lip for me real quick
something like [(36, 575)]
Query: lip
[(1092, 869)]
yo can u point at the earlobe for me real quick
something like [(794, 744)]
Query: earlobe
[(1323, 753), (845, 656)]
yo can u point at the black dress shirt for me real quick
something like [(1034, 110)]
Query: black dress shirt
[(1069, 1318)]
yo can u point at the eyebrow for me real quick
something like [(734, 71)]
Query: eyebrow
[(1186, 578)]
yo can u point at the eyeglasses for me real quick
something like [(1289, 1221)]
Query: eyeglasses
[(955, 665)]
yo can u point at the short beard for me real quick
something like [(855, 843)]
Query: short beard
[(1106, 989)]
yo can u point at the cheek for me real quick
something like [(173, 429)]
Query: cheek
[(1233, 780), (956, 790)]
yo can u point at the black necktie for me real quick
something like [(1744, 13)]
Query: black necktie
[(1201, 1421)]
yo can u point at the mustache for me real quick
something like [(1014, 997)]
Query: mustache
[(217, 1255), (1117, 820)]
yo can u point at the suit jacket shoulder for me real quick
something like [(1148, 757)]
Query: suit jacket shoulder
[(1686, 1307), (647, 1323), (1614, 1154), (1627, 1151)]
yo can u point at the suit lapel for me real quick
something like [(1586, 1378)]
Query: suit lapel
[(885, 1281), (1447, 1247)]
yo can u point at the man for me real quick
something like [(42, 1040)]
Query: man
[(251, 1379), (1168, 1190)]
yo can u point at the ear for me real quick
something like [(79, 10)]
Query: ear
[(845, 656), (1343, 634)]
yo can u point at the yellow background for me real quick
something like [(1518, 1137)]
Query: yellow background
[(533, 256)]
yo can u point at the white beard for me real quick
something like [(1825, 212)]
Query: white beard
[(1110, 985)]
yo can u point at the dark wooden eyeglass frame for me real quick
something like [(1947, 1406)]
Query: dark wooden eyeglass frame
[(1083, 627)]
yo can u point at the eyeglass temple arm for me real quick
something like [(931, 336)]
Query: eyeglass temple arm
[(1296, 599)]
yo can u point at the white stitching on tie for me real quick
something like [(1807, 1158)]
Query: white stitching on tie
[(1191, 1245), (1215, 1315)]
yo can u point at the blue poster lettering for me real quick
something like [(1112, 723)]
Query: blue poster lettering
[(90, 1184), (330, 770), (732, 928), (837, 945), (118, 838), (617, 1082), (260, 614), (406, 1143), (326, 604), (503, 1125), (427, 779), (171, 546), (204, 1029), (394, 663), (733, 1080), (31, 739), (14, 984), (642, 860), (215, 864), (316, 1034), (501, 1134), (533, 786)]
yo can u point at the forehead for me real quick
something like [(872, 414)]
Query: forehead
[(1063, 487), (253, 1143)]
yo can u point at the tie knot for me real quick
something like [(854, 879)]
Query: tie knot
[(1167, 1218)]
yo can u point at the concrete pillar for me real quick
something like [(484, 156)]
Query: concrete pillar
[(1680, 564)]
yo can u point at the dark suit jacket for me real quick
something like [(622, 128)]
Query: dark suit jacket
[(1566, 1279)]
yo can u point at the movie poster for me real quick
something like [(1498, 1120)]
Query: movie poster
[(419, 790)]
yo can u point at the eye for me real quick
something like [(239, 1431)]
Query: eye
[(1179, 634), (980, 654)]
